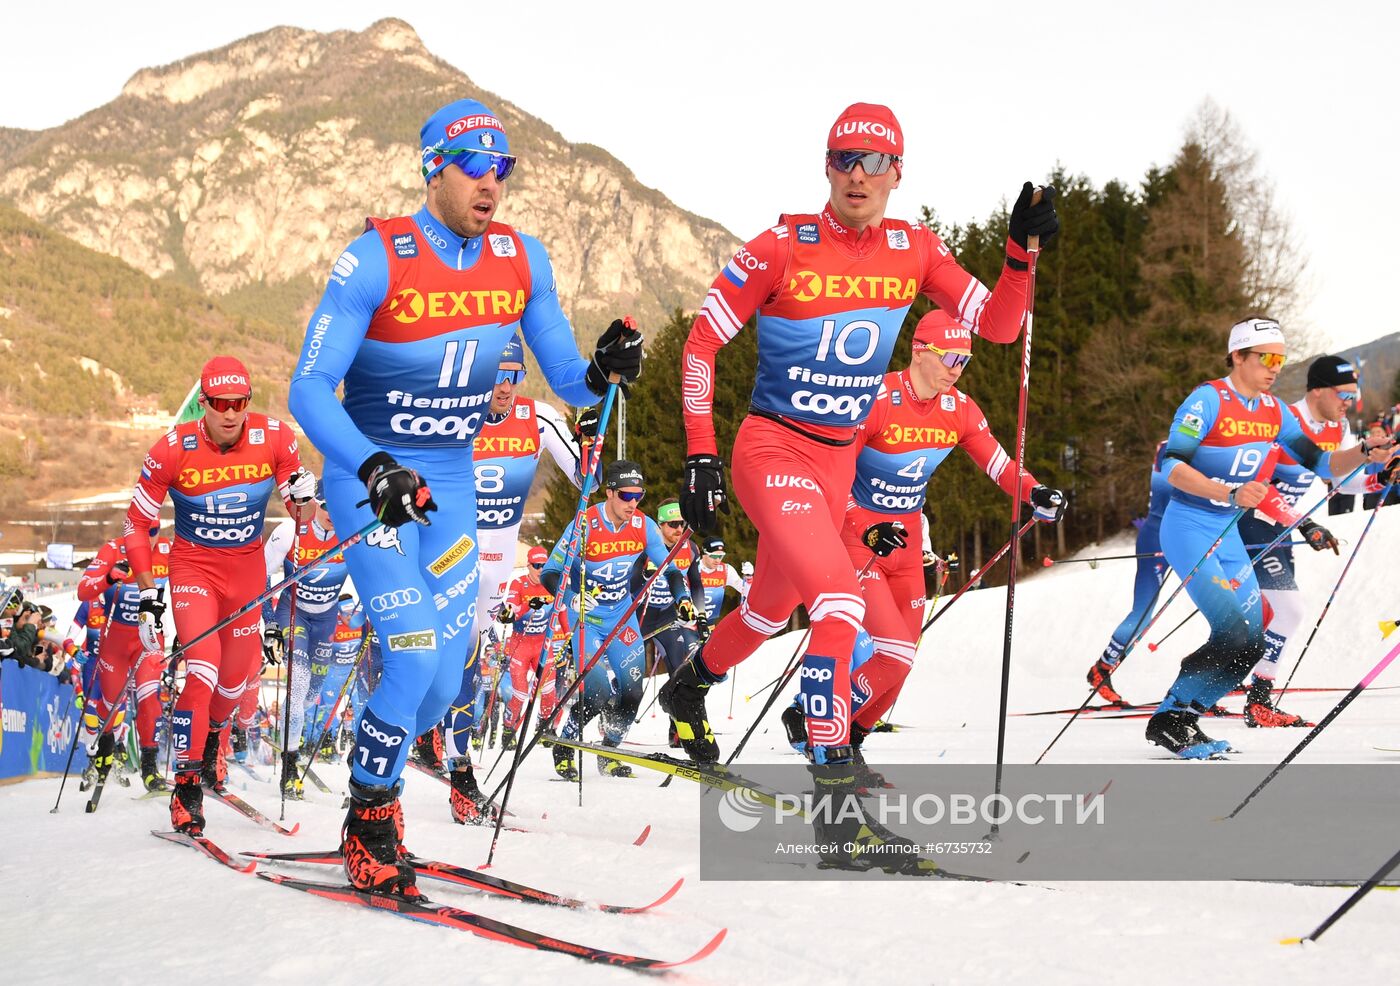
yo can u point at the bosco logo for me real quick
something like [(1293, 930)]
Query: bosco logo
[(406, 306)]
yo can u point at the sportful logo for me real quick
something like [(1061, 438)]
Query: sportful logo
[(345, 266)]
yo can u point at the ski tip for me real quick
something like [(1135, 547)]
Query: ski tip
[(1291, 941), (706, 950), (296, 827), (640, 839)]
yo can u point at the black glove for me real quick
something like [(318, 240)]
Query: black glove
[(1389, 473), (1318, 537), (1049, 504), (539, 602), (506, 614), (703, 493), (685, 611), (619, 351), (702, 628), (1032, 220), (118, 572), (274, 644), (885, 537), (396, 495), (586, 426)]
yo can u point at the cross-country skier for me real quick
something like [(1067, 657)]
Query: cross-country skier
[(413, 321), (1219, 445), (291, 546), (619, 538), (1151, 571), (672, 639), (526, 608), (918, 418), (108, 585), (831, 291), (716, 575), (1332, 386), (220, 471)]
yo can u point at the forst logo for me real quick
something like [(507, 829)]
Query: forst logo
[(413, 640)]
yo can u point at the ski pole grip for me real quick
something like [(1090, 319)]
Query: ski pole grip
[(1033, 241)]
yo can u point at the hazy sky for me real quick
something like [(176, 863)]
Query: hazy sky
[(725, 108)]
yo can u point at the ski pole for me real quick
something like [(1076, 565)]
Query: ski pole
[(290, 656), (590, 457), (522, 750), (1033, 251), (1349, 903), (933, 604), (1328, 605), (330, 716), (996, 557), (1048, 561), (1347, 699), (1153, 647), (1138, 634), (296, 575)]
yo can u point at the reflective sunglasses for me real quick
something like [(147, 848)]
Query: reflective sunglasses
[(873, 162), (475, 163), (512, 377), (714, 554), (537, 564), (953, 361), (222, 404), (1271, 361), (677, 524), (631, 496), (1347, 396)]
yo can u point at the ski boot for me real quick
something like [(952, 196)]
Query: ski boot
[(507, 737), (122, 764), (150, 772), (187, 800), (469, 805), (213, 768), (881, 726), (867, 777), (1099, 678), (427, 750), (371, 842), (609, 767), (1259, 711), (105, 756), (673, 739), (850, 840), (1177, 731), (795, 724), (683, 699), (291, 777), (240, 745), (564, 763)]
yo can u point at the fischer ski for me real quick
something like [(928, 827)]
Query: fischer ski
[(473, 880), (249, 812), (422, 909), (201, 844)]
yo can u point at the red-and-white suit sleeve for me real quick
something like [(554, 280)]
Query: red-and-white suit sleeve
[(976, 439), (94, 579), (749, 280), (157, 472), (287, 461), (995, 315)]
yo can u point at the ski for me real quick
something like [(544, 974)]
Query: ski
[(423, 768), (96, 794), (1106, 707), (1386, 749), (201, 844), (422, 909), (474, 880), (249, 812), (152, 795), (723, 779)]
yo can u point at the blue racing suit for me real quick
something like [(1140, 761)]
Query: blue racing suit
[(1228, 438), (1151, 571), (413, 321)]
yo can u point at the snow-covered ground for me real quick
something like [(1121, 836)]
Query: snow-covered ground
[(95, 896)]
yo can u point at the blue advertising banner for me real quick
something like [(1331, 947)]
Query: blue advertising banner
[(37, 720)]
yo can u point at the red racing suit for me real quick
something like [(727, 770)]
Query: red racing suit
[(120, 645), (830, 303), (524, 646), (216, 566), (899, 446)]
